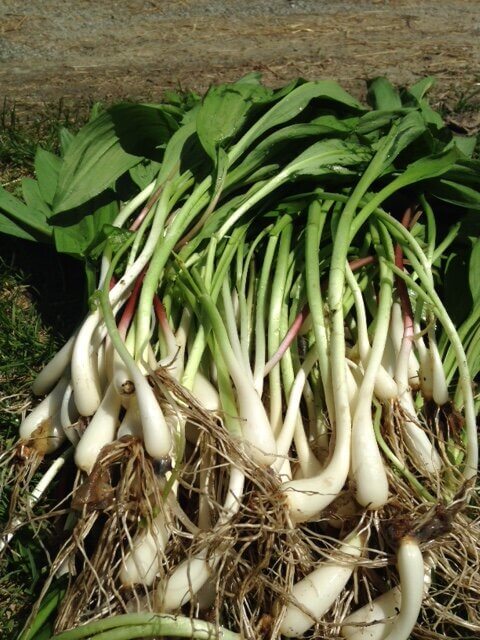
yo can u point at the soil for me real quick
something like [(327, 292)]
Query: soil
[(80, 50)]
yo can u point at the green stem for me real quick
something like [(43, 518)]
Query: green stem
[(420, 264), (138, 625), (274, 334), (262, 289), (200, 341), (317, 215)]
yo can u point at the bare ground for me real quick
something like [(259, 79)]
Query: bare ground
[(83, 49)]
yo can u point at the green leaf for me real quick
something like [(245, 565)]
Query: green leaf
[(456, 193), (94, 160), (66, 137), (328, 155), (474, 272), (47, 168), (407, 130), (224, 111), (466, 144), (173, 151), (19, 212), (287, 139), (415, 96), (96, 110), (34, 199), (11, 228), (290, 106), (429, 167), (36, 629), (420, 88), (457, 298), (377, 120), (106, 148), (75, 237), (382, 95), (143, 129), (144, 172), (108, 234)]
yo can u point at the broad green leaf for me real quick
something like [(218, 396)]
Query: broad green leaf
[(328, 155), (11, 228), (143, 129), (66, 137), (108, 234), (288, 138), (474, 272), (456, 193), (76, 238), (331, 124), (173, 151), (423, 169), (377, 120), (466, 144), (183, 101), (93, 161), (415, 96), (34, 199), (466, 172), (406, 131), (420, 88), (431, 116), (144, 172), (97, 109), (47, 168), (290, 106), (382, 95), (224, 111), (401, 134), (426, 168), (457, 298), (19, 212), (106, 148)]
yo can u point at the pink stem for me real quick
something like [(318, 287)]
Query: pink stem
[(405, 303), (129, 309), (302, 316), (141, 216), (288, 339), (163, 321)]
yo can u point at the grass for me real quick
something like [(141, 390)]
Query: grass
[(40, 301), (25, 343), (20, 135)]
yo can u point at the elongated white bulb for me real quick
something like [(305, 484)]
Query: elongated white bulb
[(69, 415), (384, 609), (43, 424), (51, 373), (100, 431), (142, 563), (131, 424), (318, 591), (412, 578), (371, 483), (85, 376)]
